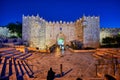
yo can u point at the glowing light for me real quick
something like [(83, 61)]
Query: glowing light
[(60, 41)]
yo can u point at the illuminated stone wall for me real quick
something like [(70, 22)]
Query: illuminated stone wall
[(34, 31), (91, 32), (79, 29), (53, 29), (4, 32), (108, 32), (40, 33)]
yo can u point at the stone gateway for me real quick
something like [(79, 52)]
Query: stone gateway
[(41, 33)]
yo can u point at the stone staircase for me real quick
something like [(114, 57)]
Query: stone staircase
[(13, 65), (106, 62)]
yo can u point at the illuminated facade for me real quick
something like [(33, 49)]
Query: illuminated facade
[(41, 33), (108, 32), (4, 32)]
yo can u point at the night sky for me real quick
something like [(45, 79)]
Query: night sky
[(66, 10)]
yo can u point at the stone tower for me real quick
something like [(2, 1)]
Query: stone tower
[(34, 31), (91, 31)]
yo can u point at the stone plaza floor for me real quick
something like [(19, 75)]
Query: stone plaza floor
[(16, 65), (74, 65)]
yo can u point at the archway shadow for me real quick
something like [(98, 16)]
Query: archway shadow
[(63, 74)]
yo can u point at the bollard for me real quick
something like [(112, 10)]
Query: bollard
[(61, 70), (96, 70)]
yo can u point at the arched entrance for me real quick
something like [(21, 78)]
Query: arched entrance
[(60, 40)]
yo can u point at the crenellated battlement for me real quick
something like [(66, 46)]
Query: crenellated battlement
[(47, 22), (86, 18), (111, 29), (91, 17)]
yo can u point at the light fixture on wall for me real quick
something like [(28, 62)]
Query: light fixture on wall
[(84, 23), (60, 26)]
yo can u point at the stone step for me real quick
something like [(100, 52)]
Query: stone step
[(6, 49), (28, 71), (26, 56), (29, 67), (20, 55), (24, 72), (12, 55), (5, 69), (1, 65), (10, 67), (19, 76), (13, 51), (17, 70), (13, 75), (96, 56), (8, 53)]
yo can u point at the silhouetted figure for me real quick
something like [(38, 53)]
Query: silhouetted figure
[(109, 77), (78, 79), (51, 75)]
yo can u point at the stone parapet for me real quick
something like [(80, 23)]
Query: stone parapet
[(81, 51)]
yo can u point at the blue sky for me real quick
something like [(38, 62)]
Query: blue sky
[(66, 10)]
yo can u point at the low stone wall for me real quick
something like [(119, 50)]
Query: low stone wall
[(94, 50), (34, 49), (77, 51), (20, 48), (108, 49)]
